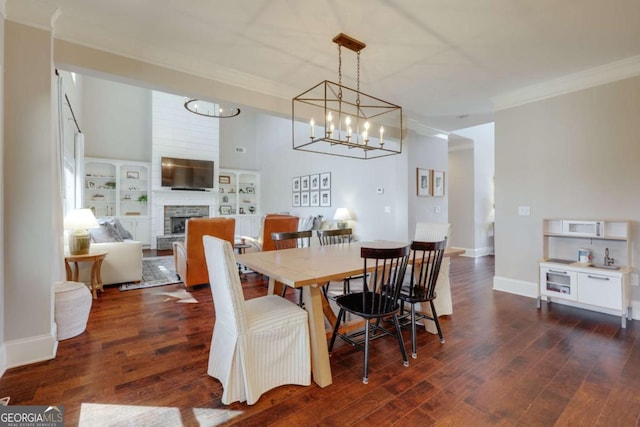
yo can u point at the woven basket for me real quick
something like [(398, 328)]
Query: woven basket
[(73, 303)]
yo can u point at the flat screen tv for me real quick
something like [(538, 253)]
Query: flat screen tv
[(187, 174)]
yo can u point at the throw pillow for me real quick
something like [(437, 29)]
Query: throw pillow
[(106, 233), (123, 232)]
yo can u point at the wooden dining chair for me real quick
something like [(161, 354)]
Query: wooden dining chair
[(291, 240), (426, 260), (378, 300)]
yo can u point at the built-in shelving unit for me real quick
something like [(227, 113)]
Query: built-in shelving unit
[(120, 188), (238, 196), (600, 283)]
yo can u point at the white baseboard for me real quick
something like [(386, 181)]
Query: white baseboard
[(530, 289), (475, 253), (513, 286), (31, 350), (3, 359)]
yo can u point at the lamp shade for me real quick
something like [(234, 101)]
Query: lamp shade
[(342, 214), (80, 219)]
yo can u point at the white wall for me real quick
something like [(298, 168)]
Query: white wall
[(426, 152), (3, 354), (461, 196), (116, 120), (571, 156), (472, 168), (32, 203), (240, 131)]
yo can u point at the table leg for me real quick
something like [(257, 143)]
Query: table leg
[(320, 366), (67, 267), (76, 272), (94, 284)]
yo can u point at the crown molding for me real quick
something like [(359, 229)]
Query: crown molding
[(614, 71), (424, 130)]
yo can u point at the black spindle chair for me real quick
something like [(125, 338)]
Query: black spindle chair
[(421, 287), (378, 300)]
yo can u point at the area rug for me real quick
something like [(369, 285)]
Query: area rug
[(156, 271)]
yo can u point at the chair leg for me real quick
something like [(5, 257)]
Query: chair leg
[(365, 375), (400, 341), (414, 345), (335, 329), (435, 319)]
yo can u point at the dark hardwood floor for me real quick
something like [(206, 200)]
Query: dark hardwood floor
[(143, 360)]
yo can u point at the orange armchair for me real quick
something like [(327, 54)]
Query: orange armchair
[(189, 255), (272, 223)]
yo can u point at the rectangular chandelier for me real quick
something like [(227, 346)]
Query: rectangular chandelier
[(333, 119)]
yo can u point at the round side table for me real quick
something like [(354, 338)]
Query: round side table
[(96, 260)]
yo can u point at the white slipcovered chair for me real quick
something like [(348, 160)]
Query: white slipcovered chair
[(258, 344)]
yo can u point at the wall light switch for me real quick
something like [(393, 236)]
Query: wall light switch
[(524, 210), (437, 209), (387, 209), (379, 190)]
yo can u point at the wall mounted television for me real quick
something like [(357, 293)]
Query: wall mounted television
[(187, 174)]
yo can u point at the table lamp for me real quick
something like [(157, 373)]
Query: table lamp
[(79, 221), (342, 216)]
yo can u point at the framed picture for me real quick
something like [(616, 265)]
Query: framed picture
[(314, 183), (325, 198), (91, 184), (295, 184), (325, 180), (133, 175), (304, 183), (423, 182), (315, 198), (438, 183), (304, 198), (224, 179), (225, 210), (296, 199), (250, 190)]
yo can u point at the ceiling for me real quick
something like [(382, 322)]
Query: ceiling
[(442, 60)]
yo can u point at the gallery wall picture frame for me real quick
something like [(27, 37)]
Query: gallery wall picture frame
[(304, 198), (296, 199), (437, 177), (423, 182), (325, 198), (295, 184), (224, 179), (325, 180), (133, 175), (225, 209), (314, 198), (304, 183), (314, 182)]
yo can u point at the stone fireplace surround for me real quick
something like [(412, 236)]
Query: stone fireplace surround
[(176, 215), (174, 219)]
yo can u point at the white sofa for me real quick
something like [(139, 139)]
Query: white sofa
[(123, 263)]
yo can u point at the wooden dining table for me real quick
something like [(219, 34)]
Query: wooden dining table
[(309, 268)]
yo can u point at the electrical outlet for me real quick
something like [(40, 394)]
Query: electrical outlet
[(387, 209), (524, 210), (437, 209)]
